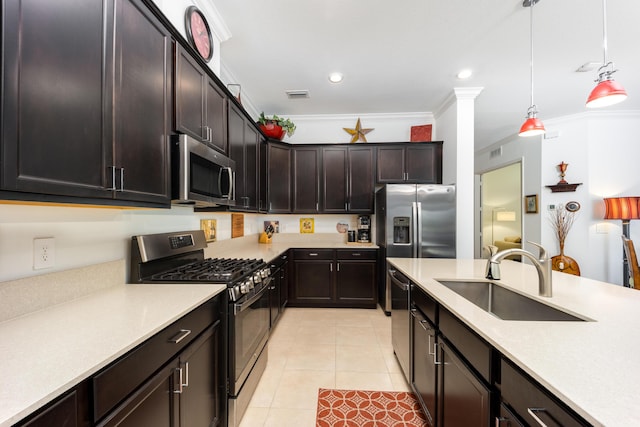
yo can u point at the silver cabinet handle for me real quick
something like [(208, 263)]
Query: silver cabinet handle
[(179, 390), (186, 371), (121, 179), (533, 412), (338, 267), (313, 254), (356, 254), (179, 336), (331, 267)]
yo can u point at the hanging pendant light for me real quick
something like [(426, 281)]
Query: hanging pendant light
[(533, 125), (607, 91)]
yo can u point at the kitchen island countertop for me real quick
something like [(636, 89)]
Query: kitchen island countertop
[(592, 366)]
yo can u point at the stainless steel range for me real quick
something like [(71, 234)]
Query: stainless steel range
[(179, 258)]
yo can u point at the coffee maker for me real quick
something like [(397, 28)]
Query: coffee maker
[(363, 234)]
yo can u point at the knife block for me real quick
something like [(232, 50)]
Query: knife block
[(264, 238)]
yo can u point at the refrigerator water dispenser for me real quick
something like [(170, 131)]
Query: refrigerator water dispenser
[(401, 229)]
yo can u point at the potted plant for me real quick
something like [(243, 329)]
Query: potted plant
[(276, 127)]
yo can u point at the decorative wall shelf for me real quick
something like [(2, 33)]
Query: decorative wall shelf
[(563, 188)]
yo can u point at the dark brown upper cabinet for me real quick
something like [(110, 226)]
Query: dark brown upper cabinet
[(347, 179), (279, 178), (200, 108), (244, 149), (86, 111), (410, 163), (306, 179)]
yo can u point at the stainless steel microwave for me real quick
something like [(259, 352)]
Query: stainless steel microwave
[(200, 175)]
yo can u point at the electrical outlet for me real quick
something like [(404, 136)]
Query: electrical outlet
[(44, 253)]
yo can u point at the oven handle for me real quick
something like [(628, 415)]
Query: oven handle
[(239, 308)]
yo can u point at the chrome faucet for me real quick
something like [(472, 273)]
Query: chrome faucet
[(543, 265)]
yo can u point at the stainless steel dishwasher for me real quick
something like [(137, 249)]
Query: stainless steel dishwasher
[(401, 325)]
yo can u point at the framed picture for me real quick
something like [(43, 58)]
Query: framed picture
[(306, 225), (531, 203), (209, 228)]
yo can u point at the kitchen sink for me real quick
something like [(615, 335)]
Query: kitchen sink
[(505, 303)]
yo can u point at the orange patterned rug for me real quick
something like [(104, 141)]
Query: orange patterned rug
[(357, 408)]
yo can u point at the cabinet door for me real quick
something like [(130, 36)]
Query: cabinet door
[(142, 104), (313, 282), (216, 116), (356, 283), (53, 97), (424, 163), (189, 95), (334, 180), (237, 152), (306, 177), (391, 167), (274, 296), (251, 166), (279, 179), (63, 412), (361, 188), (153, 404), (424, 378), (284, 286), (460, 388), (203, 396)]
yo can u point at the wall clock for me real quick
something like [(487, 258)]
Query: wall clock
[(199, 33)]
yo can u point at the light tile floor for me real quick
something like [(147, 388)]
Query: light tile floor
[(313, 348)]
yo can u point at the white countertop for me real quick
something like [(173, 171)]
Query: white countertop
[(47, 352), (593, 366)]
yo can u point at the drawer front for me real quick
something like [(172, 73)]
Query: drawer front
[(312, 254), (123, 376), (475, 349), (525, 396), (349, 254), (425, 303)]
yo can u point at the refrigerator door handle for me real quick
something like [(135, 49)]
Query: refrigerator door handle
[(418, 241), (414, 229)]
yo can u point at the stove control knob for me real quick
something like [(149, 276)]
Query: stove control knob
[(249, 283), (265, 272), (257, 278)]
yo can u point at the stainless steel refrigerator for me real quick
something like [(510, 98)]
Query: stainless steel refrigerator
[(414, 221)]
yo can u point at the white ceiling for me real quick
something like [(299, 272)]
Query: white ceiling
[(403, 56)]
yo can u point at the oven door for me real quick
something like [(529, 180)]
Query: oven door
[(248, 333)]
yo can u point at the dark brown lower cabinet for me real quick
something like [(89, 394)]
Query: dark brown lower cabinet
[(424, 378), (334, 278), (69, 410), (464, 400)]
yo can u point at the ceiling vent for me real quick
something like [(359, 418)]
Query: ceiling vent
[(297, 94)]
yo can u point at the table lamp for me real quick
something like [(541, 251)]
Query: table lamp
[(625, 209)]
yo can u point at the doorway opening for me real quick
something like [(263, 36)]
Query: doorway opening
[(501, 209)]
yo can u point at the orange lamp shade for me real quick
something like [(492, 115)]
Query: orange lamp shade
[(622, 208), (531, 127), (607, 92)]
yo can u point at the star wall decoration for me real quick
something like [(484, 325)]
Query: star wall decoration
[(358, 134)]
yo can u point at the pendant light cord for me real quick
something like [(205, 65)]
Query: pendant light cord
[(531, 46), (604, 31)]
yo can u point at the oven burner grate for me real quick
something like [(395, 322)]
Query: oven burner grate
[(219, 270)]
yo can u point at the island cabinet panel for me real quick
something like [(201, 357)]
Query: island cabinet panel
[(410, 163), (279, 178), (86, 108), (334, 278), (532, 403)]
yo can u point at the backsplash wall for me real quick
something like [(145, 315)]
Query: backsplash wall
[(87, 236)]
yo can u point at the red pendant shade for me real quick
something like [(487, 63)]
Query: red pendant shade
[(622, 208), (607, 92), (532, 126)]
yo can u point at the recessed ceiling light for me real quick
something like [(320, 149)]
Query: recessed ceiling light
[(335, 77), (464, 74)]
